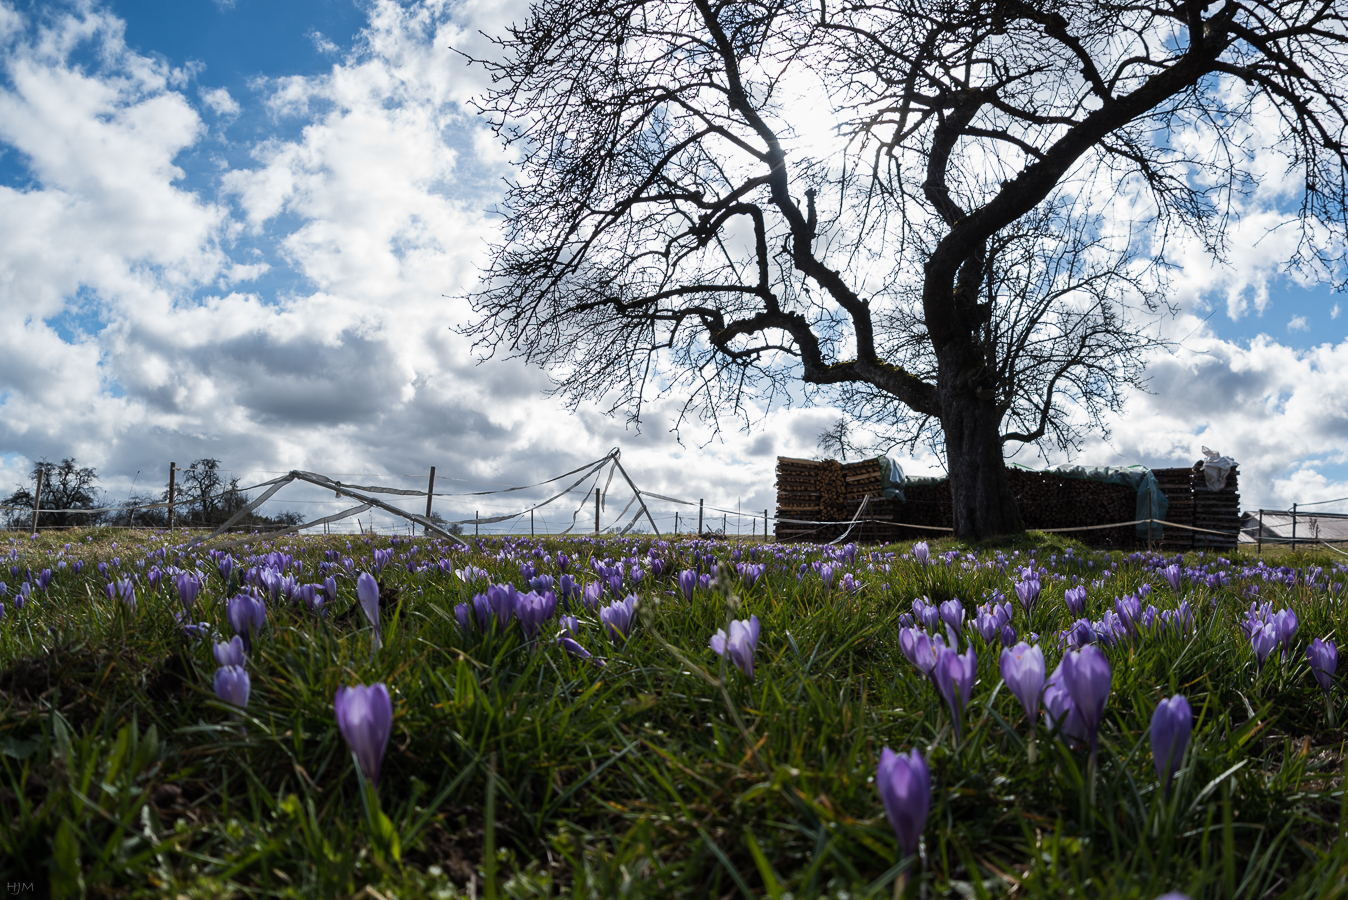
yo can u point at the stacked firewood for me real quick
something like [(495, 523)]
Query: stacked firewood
[(1177, 485), (821, 493), (1215, 510), (798, 497), (1047, 500)]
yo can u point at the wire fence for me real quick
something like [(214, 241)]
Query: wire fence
[(1295, 527), (596, 498)]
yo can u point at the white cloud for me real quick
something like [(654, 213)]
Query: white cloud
[(220, 102), (1298, 323), (1334, 311), (132, 336)]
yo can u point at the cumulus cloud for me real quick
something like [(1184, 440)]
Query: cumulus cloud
[(1298, 323), (298, 310), (220, 102)]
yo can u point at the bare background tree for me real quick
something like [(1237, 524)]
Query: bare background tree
[(65, 486), (949, 215)]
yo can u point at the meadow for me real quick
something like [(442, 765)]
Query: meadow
[(557, 718)]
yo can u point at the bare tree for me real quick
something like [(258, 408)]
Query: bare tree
[(975, 249), (66, 487)]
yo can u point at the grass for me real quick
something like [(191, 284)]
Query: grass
[(517, 770)]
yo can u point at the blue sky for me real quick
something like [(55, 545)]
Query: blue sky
[(237, 230)]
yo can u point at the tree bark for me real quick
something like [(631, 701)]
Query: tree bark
[(981, 499)]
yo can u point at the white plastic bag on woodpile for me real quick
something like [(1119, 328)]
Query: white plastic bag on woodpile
[(1215, 469)]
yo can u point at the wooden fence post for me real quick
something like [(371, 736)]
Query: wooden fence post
[(37, 498), (430, 497), (765, 526), (173, 491), (699, 517), (596, 510)]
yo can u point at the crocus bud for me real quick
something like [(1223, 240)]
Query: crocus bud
[(367, 592), (1027, 592), (952, 613), (617, 617), (921, 552), (954, 676), (1171, 725), (1023, 669), (1286, 621), (1324, 659), (232, 685), (365, 718), (246, 615), (1075, 598), (740, 644), (569, 644), (1086, 676), (229, 654), (688, 583), (905, 789), (1264, 641)]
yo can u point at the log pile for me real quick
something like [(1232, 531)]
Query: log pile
[(1216, 510), (1048, 500), (1177, 485), (828, 492)]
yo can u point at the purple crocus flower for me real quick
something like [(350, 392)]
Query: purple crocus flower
[(1060, 711), (1023, 670), (919, 648), (381, 559), (927, 613), (986, 625), (463, 615), (246, 615), (225, 566), (501, 601), (1086, 675), (188, 586), (1129, 611), (1324, 659), (124, 589), (1264, 641), (44, 579), (740, 644), (229, 654), (570, 645), (533, 609), (1286, 621), (1008, 635), (367, 592), (688, 583), (905, 789), (365, 718), (590, 595), (1075, 598), (1172, 575), (570, 625), (1171, 725), (952, 614), (232, 685), (618, 616), (1027, 591), (921, 553), (954, 676)]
